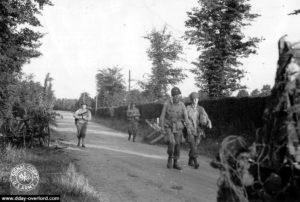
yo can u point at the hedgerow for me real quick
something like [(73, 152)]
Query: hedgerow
[(240, 116)]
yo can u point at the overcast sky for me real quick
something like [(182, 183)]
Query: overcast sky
[(86, 35)]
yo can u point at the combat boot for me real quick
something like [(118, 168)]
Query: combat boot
[(169, 165), (191, 161), (196, 165), (176, 166)]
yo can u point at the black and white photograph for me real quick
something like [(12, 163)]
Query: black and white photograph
[(150, 100)]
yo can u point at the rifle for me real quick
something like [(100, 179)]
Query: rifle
[(76, 119)]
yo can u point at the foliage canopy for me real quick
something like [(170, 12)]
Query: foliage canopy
[(215, 27), (164, 51)]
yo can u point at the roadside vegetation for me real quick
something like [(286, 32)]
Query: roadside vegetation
[(26, 109), (58, 175)]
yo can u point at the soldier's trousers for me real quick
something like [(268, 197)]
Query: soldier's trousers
[(81, 129), (132, 128), (193, 143), (174, 144)]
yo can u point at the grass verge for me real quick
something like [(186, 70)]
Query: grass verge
[(58, 176)]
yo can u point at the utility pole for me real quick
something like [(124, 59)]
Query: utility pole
[(129, 80), (96, 103)]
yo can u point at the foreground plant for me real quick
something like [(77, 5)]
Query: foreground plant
[(269, 169)]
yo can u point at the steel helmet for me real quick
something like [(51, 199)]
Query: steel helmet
[(175, 91), (194, 95)]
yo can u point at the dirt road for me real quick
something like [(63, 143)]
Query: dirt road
[(129, 171)]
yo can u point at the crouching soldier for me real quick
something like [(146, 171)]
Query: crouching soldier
[(198, 119), (172, 119), (133, 116)]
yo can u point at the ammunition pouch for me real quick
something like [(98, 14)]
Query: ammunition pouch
[(175, 125)]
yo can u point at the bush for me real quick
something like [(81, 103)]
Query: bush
[(28, 113)]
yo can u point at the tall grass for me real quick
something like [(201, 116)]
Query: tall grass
[(9, 157), (12, 154), (74, 184), (70, 185)]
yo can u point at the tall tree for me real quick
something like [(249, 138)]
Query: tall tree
[(28, 93), (48, 94), (110, 87), (255, 93), (242, 93), (85, 98), (164, 51), (137, 97), (216, 29), (65, 104), (19, 40), (265, 90), (202, 95)]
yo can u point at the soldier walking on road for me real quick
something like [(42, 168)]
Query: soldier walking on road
[(198, 119), (82, 117), (133, 116), (172, 119)]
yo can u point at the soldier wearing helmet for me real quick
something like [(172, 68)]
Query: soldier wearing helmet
[(198, 119), (82, 117), (133, 116), (172, 119)]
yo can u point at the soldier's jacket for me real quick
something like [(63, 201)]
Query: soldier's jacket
[(173, 116), (133, 114), (197, 119), (83, 115)]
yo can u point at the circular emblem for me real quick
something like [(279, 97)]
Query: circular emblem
[(24, 177)]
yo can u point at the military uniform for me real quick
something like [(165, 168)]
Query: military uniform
[(82, 116), (197, 119), (172, 119), (133, 116)]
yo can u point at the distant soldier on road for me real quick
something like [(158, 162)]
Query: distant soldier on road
[(133, 116), (82, 117), (198, 119), (172, 120)]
